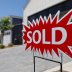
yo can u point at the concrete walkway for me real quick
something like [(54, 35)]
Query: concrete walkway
[(66, 68)]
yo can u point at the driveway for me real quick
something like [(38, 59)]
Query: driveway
[(18, 60)]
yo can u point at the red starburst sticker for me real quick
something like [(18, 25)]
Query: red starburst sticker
[(47, 34)]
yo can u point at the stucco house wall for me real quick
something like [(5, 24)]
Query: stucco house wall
[(37, 5)]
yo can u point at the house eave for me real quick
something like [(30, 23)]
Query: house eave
[(26, 4)]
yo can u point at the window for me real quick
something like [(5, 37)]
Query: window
[(16, 21), (7, 32)]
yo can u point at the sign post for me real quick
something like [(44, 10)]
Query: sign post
[(61, 61), (61, 69), (34, 63)]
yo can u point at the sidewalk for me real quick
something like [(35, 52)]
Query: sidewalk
[(66, 68)]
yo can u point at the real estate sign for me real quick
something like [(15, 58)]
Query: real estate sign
[(47, 34)]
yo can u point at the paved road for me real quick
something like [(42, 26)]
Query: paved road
[(18, 60)]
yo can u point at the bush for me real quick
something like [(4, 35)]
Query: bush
[(2, 46), (10, 45)]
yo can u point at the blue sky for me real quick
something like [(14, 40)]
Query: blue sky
[(12, 7)]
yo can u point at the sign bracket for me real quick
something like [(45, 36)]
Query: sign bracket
[(61, 68)]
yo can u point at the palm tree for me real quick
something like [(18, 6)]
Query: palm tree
[(5, 25)]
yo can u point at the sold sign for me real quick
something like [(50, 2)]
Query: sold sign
[(47, 34)]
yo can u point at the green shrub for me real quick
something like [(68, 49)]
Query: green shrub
[(2, 46), (10, 45)]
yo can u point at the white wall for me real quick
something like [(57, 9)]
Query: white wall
[(37, 5), (7, 38)]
